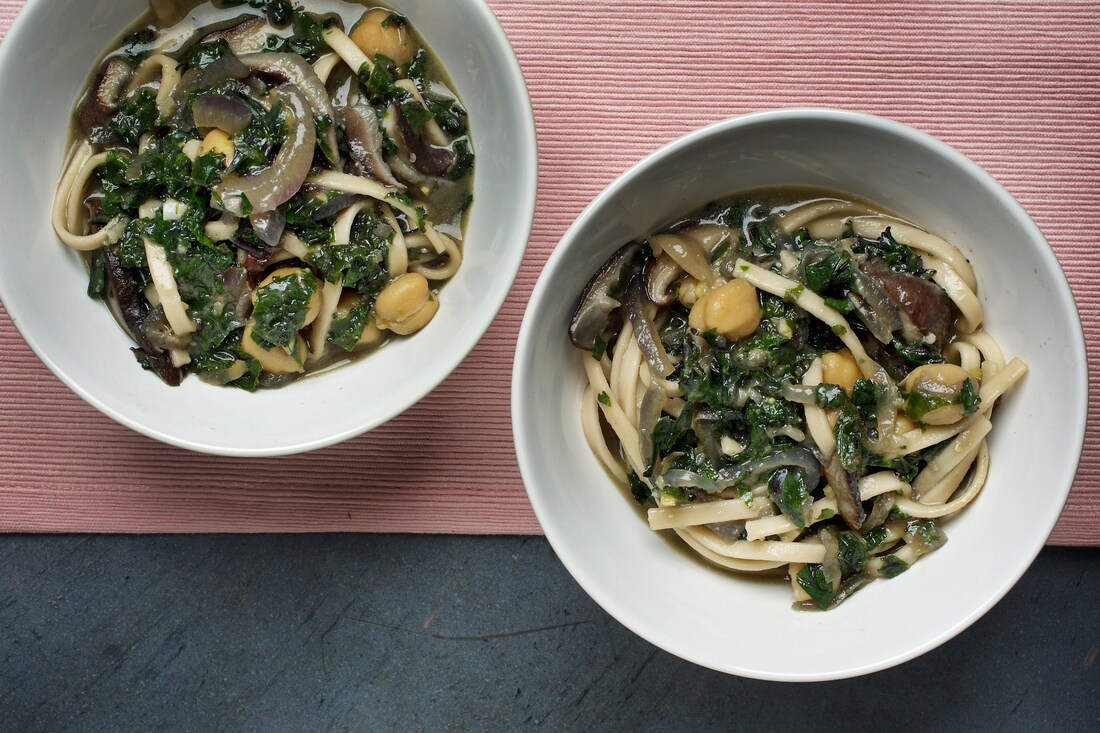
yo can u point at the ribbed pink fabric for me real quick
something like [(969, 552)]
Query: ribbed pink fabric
[(1014, 85)]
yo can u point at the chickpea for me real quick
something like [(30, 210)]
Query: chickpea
[(733, 310), (314, 301), (840, 368), (371, 333), (689, 290), (938, 384), (418, 320), (405, 305), (373, 35), (217, 141), (277, 360)]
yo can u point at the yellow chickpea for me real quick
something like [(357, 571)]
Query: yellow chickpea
[(732, 310), (405, 305), (277, 360), (840, 368), (374, 34), (371, 333), (418, 320), (218, 141), (941, 383)]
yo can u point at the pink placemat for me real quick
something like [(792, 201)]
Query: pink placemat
[(1014, 85)]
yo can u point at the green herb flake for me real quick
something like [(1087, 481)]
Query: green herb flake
[(600, 348), (604, 399), (892, 566), (346, 331), (839, 330), (811, 578)]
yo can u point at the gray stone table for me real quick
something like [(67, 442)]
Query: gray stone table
[(401, 633)]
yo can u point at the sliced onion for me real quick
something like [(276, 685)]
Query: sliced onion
[(803, 394), (269, 226), (878, 311), (830, 566), (276, 184), (798, 457), (680, 478), (649, 341), (293, 69), (229, 113)]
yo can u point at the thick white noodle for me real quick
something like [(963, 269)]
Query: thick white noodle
[(809, 551), (65, 213), (707, 512), (671, 388), (970, 308), (346, 49), (988, 346), (169, 78), (164, 280), (318, 333), (918, 239), (949, 484), (324, 66), (347, 183), (341, 230), (397, 256), (593, 434), (952, 455), (979, 472), (816, 420), (965, 355), (794, 219), (627, 433), (691, 537)]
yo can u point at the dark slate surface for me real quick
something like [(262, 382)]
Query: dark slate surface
[(379, 633)]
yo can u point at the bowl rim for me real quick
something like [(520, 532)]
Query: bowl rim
[(574, 560), (525, 200)]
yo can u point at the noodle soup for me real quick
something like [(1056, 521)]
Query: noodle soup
[(792, 380), (262, 193)]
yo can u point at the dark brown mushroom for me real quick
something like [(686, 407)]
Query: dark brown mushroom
[(131, 302), (364, 141), (660, 275), (245, 34), (425, 157), (104, 98), (923, 304), (599, 297)]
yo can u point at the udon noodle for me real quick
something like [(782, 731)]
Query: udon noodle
[(792, 380), (259, 193)]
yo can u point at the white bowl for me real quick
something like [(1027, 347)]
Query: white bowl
[(744, 626), (42, 284)]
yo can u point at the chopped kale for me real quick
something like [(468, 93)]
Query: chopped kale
[(811, 578), (347, 331), (136, 117), (281, 308), (852, 553), (202, 55), (892, 566)]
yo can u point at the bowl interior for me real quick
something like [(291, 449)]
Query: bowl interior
[(736, 623), (42, 284)]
